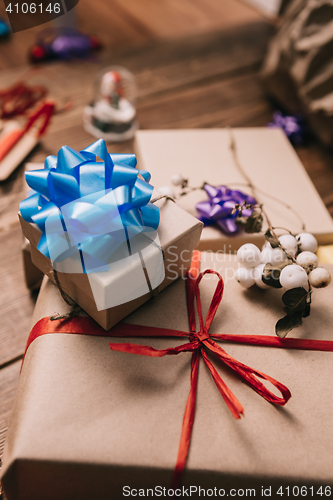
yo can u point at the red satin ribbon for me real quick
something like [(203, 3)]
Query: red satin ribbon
[(198, 342), (44, 112), (19, 98)]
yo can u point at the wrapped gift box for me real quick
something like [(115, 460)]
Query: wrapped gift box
[(93, 230), (178, 234), (266, 156), (89, 421)]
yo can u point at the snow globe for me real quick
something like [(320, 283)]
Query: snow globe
[(112, 115)]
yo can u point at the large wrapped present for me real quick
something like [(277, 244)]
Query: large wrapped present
[(267, 159), (98, 230), (98, 416)]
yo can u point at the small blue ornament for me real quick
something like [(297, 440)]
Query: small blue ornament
[(4, 29)]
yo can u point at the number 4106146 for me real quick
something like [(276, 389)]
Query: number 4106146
[(33, 8), (304, 491)]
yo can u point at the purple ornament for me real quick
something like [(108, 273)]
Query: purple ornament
[(65, 43), (219, 206), (71, 45)]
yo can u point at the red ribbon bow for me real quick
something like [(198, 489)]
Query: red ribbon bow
[(198, 342)]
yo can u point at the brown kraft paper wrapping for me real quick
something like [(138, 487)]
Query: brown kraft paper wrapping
[(89, 421), (267, 157)]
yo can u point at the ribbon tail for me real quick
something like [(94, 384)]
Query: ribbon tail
[(188, 421), (262, 390), (230, 399), (248, 374), (146, 350), (269, 341)]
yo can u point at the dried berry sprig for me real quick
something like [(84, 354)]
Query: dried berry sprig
[(286, 261)]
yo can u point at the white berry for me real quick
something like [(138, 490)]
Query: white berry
[(177, 179), (248, 255), (289, 243), (244, 277), (319, 278), (308, 260), (272, 255), (257, 274), (166, 191), (293, 276), (307, 242)]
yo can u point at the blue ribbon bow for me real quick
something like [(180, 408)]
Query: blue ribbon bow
[(86, 206)]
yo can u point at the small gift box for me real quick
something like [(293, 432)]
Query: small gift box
[(94, 230), (94, 422), (268, 160)]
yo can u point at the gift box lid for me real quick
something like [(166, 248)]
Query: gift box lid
[(266, 156)]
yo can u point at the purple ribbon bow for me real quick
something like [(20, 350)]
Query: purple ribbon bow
[(294, 126), (219, 206)]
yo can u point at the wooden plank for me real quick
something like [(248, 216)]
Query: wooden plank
[(318, 161), (16, 303), (174, 18), (161, 66), (102, 19), (175, 79), (220, 103), (9, 378), (126, 23)]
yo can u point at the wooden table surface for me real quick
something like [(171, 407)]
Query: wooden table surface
[(207, 80)]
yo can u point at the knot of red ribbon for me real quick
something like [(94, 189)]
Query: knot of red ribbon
[(199, 343)]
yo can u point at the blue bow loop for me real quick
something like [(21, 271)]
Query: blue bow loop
[(124, 160), (89, 208), (50, 162), (68, 158)]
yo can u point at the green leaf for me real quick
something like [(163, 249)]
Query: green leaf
[(241, 221), (272, 239), (293, 297), (286, 324), (254, 223), (271, 275), (306, 311)]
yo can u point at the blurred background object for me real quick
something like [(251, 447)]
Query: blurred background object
[(298, 69), (269, 8), (112, 115), (4, 29), (121, 24), (63, 43), (294, 126)]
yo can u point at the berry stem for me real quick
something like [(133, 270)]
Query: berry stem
[(254, 188)]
